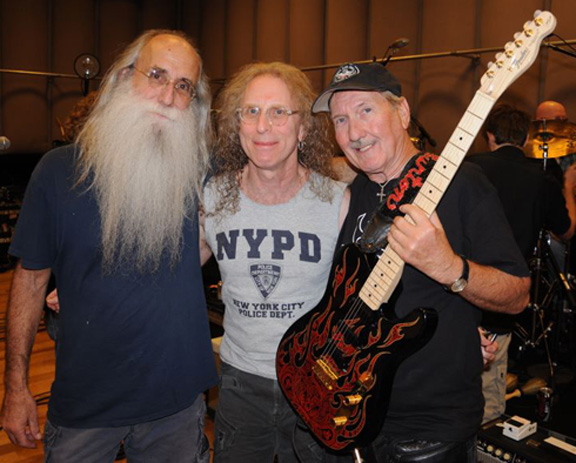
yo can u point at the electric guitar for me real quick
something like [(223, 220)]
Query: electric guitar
[(336, 364)]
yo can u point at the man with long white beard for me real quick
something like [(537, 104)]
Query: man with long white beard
[(115, 218)]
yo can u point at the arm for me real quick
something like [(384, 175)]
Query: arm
[(19, 415), (421, 242), (205, 251), (52, 300)]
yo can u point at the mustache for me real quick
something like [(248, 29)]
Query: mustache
[(170, 113), (359, 144)]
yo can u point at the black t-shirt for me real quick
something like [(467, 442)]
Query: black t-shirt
[(437, 392), (532, 199), (132, 348)]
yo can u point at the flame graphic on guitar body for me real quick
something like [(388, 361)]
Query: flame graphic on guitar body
[(336, 361)]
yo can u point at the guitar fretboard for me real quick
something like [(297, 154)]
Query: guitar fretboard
[(387, 272)]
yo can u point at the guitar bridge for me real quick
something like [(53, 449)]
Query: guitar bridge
[(325, 374)]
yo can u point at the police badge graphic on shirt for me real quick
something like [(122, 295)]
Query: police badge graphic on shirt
[(265, 277)]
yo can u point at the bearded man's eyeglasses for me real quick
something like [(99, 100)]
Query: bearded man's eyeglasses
[(158, 78)]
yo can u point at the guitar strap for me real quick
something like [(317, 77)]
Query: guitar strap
[(403, 191)]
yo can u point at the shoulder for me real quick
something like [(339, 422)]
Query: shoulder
[(480, 158), (57, 164), (471, 171), (336, 186), (471, 181), (61, 155), (210, 194), (361, 182)]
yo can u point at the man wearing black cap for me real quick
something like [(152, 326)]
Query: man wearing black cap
[(459, 260)]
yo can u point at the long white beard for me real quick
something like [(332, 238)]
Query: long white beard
[(145, 176)]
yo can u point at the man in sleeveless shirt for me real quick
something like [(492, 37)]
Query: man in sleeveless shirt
[(461, 259)]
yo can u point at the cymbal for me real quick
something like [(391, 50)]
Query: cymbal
[(559, 135)]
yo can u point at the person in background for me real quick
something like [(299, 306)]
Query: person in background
[(532, 201), (115, 218), (551, 111), (77, 117)]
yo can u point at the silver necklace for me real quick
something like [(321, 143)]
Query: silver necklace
[(381, 194)]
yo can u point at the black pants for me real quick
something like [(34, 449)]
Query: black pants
[(402, 450), (387, 450)]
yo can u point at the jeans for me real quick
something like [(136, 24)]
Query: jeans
[(175, 438), (254, 422)]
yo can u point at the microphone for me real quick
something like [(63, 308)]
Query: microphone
[(423, 131), (393, 49), (4, 143), (399, 43)]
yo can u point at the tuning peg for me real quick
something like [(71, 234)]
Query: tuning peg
[(527, 28), (517, 35), (537, 19), (490, 72), (498, 55)]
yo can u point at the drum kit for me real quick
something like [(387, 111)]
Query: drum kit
[(552, 305)]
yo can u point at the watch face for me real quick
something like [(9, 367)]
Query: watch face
[(459, 285)]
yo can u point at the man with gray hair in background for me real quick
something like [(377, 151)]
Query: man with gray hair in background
[(115, 218)]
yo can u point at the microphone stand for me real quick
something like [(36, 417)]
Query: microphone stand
[(423, 132)]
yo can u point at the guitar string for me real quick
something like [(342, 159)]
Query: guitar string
[(343, 326)]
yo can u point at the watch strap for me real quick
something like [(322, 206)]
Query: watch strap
[(460, 283)]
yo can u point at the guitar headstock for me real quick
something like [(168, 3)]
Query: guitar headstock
[(518, 55)]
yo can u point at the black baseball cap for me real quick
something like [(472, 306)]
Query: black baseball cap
[(369, 77)]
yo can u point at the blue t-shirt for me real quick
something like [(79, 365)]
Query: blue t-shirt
[(131, 348)]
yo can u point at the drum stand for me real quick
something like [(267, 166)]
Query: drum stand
[(549, 283)]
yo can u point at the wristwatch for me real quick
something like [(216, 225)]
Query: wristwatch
[(461, 283)]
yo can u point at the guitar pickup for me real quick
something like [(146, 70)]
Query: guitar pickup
[(325, 374)]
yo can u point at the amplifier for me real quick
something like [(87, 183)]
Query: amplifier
[(494, 447)]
